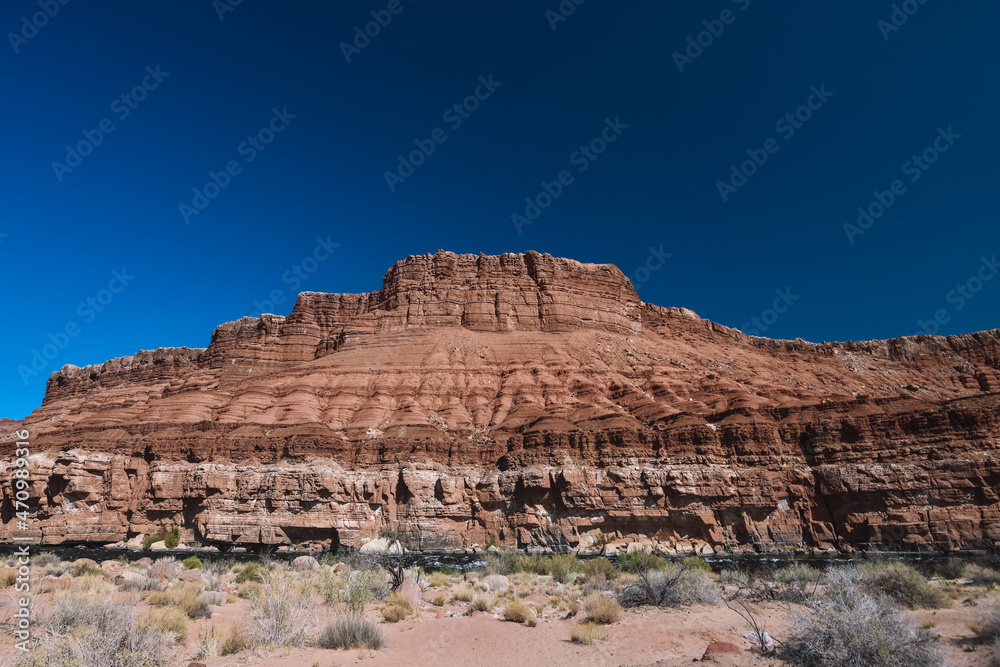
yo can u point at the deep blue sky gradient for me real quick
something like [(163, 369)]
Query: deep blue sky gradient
[(323, 176)]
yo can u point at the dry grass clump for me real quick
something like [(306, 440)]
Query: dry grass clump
[(7, 578), (95, 584), (437, 580), (170, 620), (396, 608), (190, 598), (281, 613), (439, 601), (463, 593), (482, 602), (516, 611), (350, 632), (355, 590), (848, 626), (587, 634), (602, 609)]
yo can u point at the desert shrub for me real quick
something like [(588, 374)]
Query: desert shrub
[(602, 609), (355, 590), (250, 572), (902, 584), (193, 563), (696, 563), (170, 620), (7, 578), (983, 576), (236, 641), (951, 569), (587, 634), (394, 613), (598, 569), (849, 627), (350, 632), (145, 582), (516, 611), (735, 577), (45, 559), (172, 538), (94, 583), (482, 602), (439, 601), (150, 540), (196, 605), (996, 654), (463, 593), (989, 620), (98, 631), (281, 613), (493, 582), (672, 586), (504, 562), (84, 569), (639, 561), (438, 580)]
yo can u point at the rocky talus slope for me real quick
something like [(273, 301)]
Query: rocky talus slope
[(524, 400)]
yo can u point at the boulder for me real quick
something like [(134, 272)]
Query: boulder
[(85, 562), (381, 545), (717, 648), (163, 571), (158, 546), (411, 589), (305, 563), (340, 568), (190, 575)]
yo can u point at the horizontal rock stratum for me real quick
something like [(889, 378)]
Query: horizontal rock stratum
[(524, 400)]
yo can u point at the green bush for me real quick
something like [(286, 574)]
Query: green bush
[(172, 539), (250, 572), (697, 563), (150, 540), (639, 561), (902, 584), (951, 569), (193, 563), (599, 568)]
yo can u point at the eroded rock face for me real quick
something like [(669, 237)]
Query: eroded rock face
[(523, 400)]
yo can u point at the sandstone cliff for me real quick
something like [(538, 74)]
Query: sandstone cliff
[(524, 400)]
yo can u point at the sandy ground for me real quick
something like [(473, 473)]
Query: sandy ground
[(449, 636)]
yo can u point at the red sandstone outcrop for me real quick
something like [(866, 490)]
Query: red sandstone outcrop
[(525, 400)]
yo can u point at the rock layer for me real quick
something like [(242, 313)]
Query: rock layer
[(524, 400)]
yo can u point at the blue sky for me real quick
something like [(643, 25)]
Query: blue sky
[(641, 123)]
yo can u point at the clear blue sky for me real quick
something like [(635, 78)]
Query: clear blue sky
[(655, 185)]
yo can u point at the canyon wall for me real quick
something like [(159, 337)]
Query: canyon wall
[(528, 401)]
